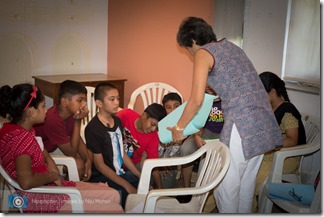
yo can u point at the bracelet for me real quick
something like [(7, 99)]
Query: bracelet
[(178, 128)]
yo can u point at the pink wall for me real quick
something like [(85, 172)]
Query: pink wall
[(142, 43)]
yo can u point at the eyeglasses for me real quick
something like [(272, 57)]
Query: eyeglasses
[(33, 96)]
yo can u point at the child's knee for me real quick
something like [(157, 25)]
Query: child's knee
[(186, 150)]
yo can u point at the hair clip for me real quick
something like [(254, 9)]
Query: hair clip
[(33, 96)]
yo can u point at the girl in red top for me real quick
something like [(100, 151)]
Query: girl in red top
[(23, 159)]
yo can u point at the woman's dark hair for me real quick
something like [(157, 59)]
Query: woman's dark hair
[(271, 81), (155, 111), (171, 96), (14, 101), (194, 28)]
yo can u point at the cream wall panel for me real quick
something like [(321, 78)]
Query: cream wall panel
[(39, 37)]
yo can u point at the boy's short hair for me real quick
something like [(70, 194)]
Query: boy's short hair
[(171, 96), (69, 88), (155, 111), (100, 91)]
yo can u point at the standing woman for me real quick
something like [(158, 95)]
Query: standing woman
[(250, 128)]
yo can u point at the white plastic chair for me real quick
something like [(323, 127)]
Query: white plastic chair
[(309, 164), (62, 160), (151, 93), (11, 186), (309, 168), (92, 110), (215, 166)]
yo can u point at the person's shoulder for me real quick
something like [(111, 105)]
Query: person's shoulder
[(154, 136), (117, 119), (217, 102), (93, 121), (125, 112), (289, 106), (53, 111)]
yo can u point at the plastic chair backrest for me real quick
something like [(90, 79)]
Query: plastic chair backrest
[(312, 127), (91, 105), (151, 93), (92, 109), (215, 165), (310, 165)]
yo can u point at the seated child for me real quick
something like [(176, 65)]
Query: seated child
[(211, 130), (142, 134), (63, 123), (25, 162), (170, 101), (104, 137)]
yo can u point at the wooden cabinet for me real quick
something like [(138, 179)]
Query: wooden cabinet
[(49, 84)]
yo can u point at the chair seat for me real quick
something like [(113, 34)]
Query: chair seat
[(135, 202), (298, 208)]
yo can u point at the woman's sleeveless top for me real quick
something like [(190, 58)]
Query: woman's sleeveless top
[(244, 99)]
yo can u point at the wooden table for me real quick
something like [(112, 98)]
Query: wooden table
[(49, 84)]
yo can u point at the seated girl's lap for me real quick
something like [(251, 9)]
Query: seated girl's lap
[(96, 198)]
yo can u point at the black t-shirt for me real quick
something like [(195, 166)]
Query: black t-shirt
[(105, 140)]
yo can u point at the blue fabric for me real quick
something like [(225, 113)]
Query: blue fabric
[(119, 154), (193, 126), (297, 193)]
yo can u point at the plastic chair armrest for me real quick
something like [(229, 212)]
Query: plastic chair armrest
[(74, 194), (70, 163)]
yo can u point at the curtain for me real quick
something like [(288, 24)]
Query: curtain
[(301, 59), (229, 20)]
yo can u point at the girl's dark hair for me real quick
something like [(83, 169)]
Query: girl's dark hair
[(171, 96), (194, 28), (271, 81), (70, 88), (13, 101), (100, 91)]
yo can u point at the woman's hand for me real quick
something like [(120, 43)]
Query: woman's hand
[(177, 135)]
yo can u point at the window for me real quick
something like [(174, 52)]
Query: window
[(301, 58)]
